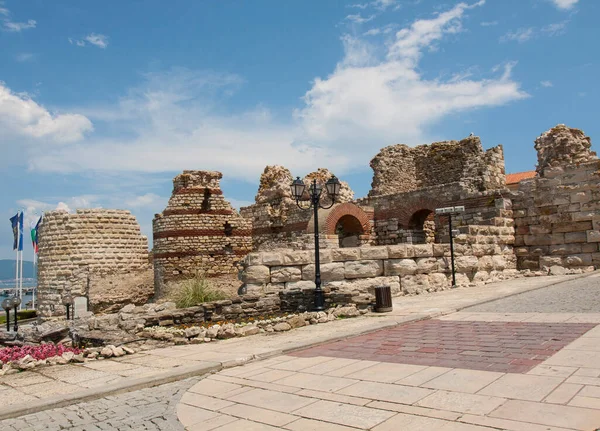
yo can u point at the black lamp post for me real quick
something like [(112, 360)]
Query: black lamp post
[(7, 305), (15, 301), (449, 211), (67, 301), (333, 189)]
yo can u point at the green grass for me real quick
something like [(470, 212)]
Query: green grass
[(21, 315), (195, 291)]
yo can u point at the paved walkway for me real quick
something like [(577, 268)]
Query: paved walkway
[(65, 385)]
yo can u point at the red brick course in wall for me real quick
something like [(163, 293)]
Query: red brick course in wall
[(197, 190), (195, 211), (199, 232), (509, 347)]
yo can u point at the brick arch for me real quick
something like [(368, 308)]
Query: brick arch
[(413, 206), (328, 219)]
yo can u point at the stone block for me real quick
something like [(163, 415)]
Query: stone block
[(324, 256), (440, 250), (438, 281), (296, 257), (400, 267), (571, 226), (272, 259), (373, 253), (400, 251), (483, 249), (575, 237), (414, 284), (593, 236), (581, 197), (546, 239), (591, 247), (596, 223), (282, 274), (564, 249), (481, 277), (300, 285), (578, 260), (539, 229), (549, 261), (254, 259), (257, 274), (426, 265), (363, 268), (485, 263), (344, 254), (329, 271), (466, 263), (423, 250), (499, 262)]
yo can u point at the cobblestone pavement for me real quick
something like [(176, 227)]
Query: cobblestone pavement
[(146, 409), (575, 296)]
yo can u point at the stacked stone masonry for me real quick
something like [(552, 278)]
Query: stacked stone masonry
[(76, 249), (199, 231)]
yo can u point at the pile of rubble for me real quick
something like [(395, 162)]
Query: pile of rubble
[(204, 334)]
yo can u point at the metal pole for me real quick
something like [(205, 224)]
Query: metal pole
[(67, 305), (452, 250), (319, 298), (16, 325), (21, 284), (8, 320)]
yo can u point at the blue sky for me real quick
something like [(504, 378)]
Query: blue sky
[(102, 103)]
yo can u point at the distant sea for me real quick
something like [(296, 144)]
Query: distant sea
[(7, 288)]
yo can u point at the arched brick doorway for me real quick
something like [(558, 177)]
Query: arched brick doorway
[(349, 222), (422, 226)]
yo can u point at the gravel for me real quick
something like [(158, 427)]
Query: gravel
[(581, 295)]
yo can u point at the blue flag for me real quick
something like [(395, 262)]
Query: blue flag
[(21, 231), (14, 221)]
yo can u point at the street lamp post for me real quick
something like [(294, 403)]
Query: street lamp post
[(16, 301), (449, 211), (333, 189), (7, 304), (68, 302)]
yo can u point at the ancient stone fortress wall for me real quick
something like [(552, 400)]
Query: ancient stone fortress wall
[(199, 231), (77, 249), (278, 223), (483, 254), (557, 213), (399, 168)]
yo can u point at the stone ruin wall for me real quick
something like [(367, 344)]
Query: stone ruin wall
[(78, 251), (399, 168), (277, 222), (199, 231), (557, 213)]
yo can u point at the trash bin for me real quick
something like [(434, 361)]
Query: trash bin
[(383, 299)]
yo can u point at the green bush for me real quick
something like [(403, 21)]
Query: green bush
[(196, 291), (21, 315)]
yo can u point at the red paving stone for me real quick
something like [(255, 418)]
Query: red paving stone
[(509, 347)]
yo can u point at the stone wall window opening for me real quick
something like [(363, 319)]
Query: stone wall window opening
[(422, 227), (228, 229), (228, 249), (348, 229), (206, 200)]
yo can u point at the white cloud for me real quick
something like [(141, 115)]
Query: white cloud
[(24, 57), (19, 26), (358, 19), (99, 40), (375, 96), (564, 4), (21, 116), (34, 208), (488, 23), (11, 26), (546, 84), (147, 200), (521, 35), (555, 29)]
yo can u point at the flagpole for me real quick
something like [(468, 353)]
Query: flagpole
[(34, 279)]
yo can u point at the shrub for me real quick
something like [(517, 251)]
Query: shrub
[(21, 315), (196, 291)]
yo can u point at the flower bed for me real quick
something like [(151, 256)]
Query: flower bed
[(45, 351)]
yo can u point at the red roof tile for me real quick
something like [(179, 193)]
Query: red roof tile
[(515, 178)]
